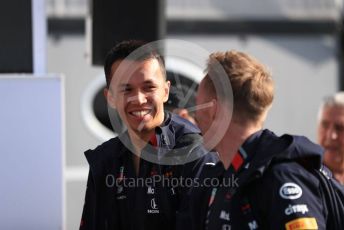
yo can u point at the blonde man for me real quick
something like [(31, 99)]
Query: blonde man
[(263, 181)]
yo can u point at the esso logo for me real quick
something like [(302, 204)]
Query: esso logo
[(290, 191)]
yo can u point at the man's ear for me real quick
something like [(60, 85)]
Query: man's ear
[(109, 97), (167, 90), (213, 108)]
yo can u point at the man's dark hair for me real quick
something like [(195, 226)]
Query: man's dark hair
[(122, 51)]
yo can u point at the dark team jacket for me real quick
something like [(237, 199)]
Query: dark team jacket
[(118, 199), (269, 185)]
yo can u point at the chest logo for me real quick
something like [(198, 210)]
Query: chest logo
[(290, 191), (291, 209), (154, 207), (153, 204), (224, 215), (253, 225), (150, 190)]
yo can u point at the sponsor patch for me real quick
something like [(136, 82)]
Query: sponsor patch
[(253, 225), (150, 190), (154, 207), (301, 224), (290, 191), (224, 215), (291, 209)]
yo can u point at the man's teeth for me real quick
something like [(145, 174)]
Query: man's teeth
[(141, 113)]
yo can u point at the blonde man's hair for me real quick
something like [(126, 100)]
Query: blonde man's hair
[(252, 85)]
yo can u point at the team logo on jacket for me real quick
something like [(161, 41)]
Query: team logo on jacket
[(302, 208), (224, 215), (253, 225), (290, 191), (154, 207), (302, 223), (150, 190)]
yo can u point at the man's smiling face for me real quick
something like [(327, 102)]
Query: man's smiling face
[(138, 91)]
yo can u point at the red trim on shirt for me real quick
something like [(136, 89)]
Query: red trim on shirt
[(237, 161), (153, 141)]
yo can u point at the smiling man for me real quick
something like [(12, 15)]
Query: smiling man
[(138, 91), (331, 134), (139, 94), (130, 179)]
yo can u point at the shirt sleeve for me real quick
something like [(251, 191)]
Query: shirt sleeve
[(291, 199)]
